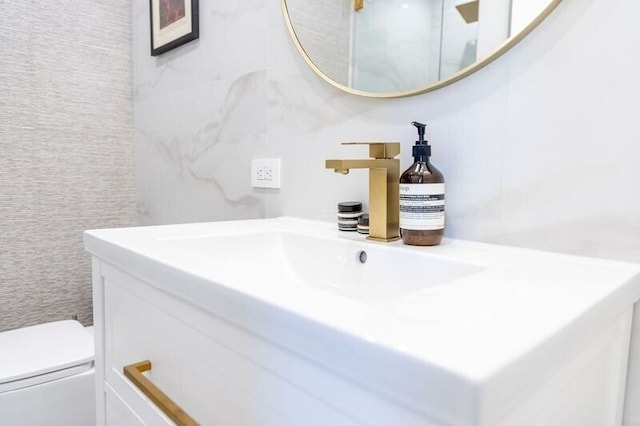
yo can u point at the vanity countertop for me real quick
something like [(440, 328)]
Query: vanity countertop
[(506, 317)]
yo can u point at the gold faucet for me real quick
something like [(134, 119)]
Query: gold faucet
[(384, 192)]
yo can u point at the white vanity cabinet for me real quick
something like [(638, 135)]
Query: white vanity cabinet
[(216, 372), (240, 331)]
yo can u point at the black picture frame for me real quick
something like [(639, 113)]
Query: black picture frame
[(173, 23)]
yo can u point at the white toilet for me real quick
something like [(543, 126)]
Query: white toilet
[(47, 376)]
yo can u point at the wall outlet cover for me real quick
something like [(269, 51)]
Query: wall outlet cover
[(265, 173)]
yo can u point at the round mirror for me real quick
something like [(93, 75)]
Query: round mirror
[(395, 48)]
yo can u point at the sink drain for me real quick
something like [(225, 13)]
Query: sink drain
[(361, 256)]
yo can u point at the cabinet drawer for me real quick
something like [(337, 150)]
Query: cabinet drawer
[(198, 373), (136, 408), (118, 412), (205, 364)]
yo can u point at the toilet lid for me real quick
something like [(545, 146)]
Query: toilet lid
[(43, 352)]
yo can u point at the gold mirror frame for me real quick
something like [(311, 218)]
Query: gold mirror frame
[(479, 64)]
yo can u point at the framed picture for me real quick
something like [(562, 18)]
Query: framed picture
[(173, 23)]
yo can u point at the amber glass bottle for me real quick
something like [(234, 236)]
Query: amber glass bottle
[(421, 197)]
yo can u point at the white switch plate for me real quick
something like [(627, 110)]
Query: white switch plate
[(265, 173)]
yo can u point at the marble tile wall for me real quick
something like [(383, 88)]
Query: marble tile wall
[(539, 149), (66, 160)]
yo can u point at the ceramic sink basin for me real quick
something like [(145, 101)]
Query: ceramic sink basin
[(463, 333), (347, 268)]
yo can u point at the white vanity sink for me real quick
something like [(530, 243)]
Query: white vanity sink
[(459, 334), (300, 258)]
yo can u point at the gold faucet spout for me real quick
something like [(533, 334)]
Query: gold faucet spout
[(384, 196), (337, 166)]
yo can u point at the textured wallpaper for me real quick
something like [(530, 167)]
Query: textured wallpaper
[(66, 150), (324, 30)]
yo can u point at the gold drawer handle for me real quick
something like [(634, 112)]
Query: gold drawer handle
[(134, 373)]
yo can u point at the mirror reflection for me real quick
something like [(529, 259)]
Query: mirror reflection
[(387, 46)]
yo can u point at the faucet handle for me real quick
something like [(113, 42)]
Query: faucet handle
[(379, 150)]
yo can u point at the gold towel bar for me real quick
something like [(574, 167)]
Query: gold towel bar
[(134, 373)]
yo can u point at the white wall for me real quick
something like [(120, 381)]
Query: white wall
[(539, 149)]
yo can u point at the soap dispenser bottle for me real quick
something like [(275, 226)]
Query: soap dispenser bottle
[(421, 197)]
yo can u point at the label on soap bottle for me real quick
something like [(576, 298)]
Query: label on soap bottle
[(422, 206)]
